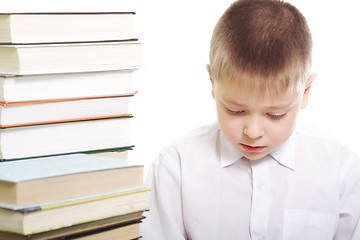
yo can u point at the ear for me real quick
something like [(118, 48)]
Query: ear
[(305, 98), (212, 81)]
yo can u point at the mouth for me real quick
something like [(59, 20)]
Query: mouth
[(252, 148)]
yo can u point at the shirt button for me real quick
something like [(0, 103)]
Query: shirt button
[(261, 238), (260, 186)]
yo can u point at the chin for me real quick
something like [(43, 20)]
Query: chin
[(254, 156)]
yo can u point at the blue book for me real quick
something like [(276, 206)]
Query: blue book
[(46, 179)]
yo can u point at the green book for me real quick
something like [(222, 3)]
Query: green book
[(64, 138)]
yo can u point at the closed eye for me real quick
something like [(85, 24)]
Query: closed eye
[(234, 112), (276, 116)]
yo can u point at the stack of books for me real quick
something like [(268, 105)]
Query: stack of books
[(72, 69), (76, 196), (66, 80)]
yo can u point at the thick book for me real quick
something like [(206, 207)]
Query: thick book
[(65, 27), (118, 224), (46, 179), (63, 138), (34, 219), (128, 232), (24, 88), (67, 110), (63, 58)]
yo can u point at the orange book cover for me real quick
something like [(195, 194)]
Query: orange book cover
[(65, 120), (3, 104), (58, 100)]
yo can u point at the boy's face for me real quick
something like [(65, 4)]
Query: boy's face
[(255, 126)]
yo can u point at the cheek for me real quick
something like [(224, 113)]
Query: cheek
[(230, 128), (278, 133)]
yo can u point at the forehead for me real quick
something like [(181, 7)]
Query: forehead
[(280, 85), (238, 96)]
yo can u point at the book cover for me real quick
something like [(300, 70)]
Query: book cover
[(24, 88), (66, 110), (80, 229), (65, 27), (45, 167), (34, 219), (64, 138), (67, 58), (130, 231), (39, 180)]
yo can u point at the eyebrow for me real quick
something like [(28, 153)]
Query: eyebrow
[(270, 107), (288, 105), (280, 107)]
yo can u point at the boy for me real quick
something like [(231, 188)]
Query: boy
[(255, 174)]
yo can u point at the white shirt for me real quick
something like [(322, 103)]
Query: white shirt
[(202, 188)]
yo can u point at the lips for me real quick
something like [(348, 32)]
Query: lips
[(252, 148)]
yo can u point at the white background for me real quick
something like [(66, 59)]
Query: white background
[(174, 89)]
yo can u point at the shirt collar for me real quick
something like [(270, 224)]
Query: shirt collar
[(285, 154), (228, 154)]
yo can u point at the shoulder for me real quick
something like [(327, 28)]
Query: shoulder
[(199, 137), (315, 138), (194, 143), (324, 147), (312, 132)]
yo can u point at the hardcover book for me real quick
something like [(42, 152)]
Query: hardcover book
[(63, 58), (118, 226), (65, 27), (46, 179), (67, 110), (63, 138), (25, 88), (34, 219)]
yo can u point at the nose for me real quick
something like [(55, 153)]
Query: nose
[(253, 128)]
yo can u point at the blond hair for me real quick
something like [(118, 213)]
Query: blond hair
[(263, 45)]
